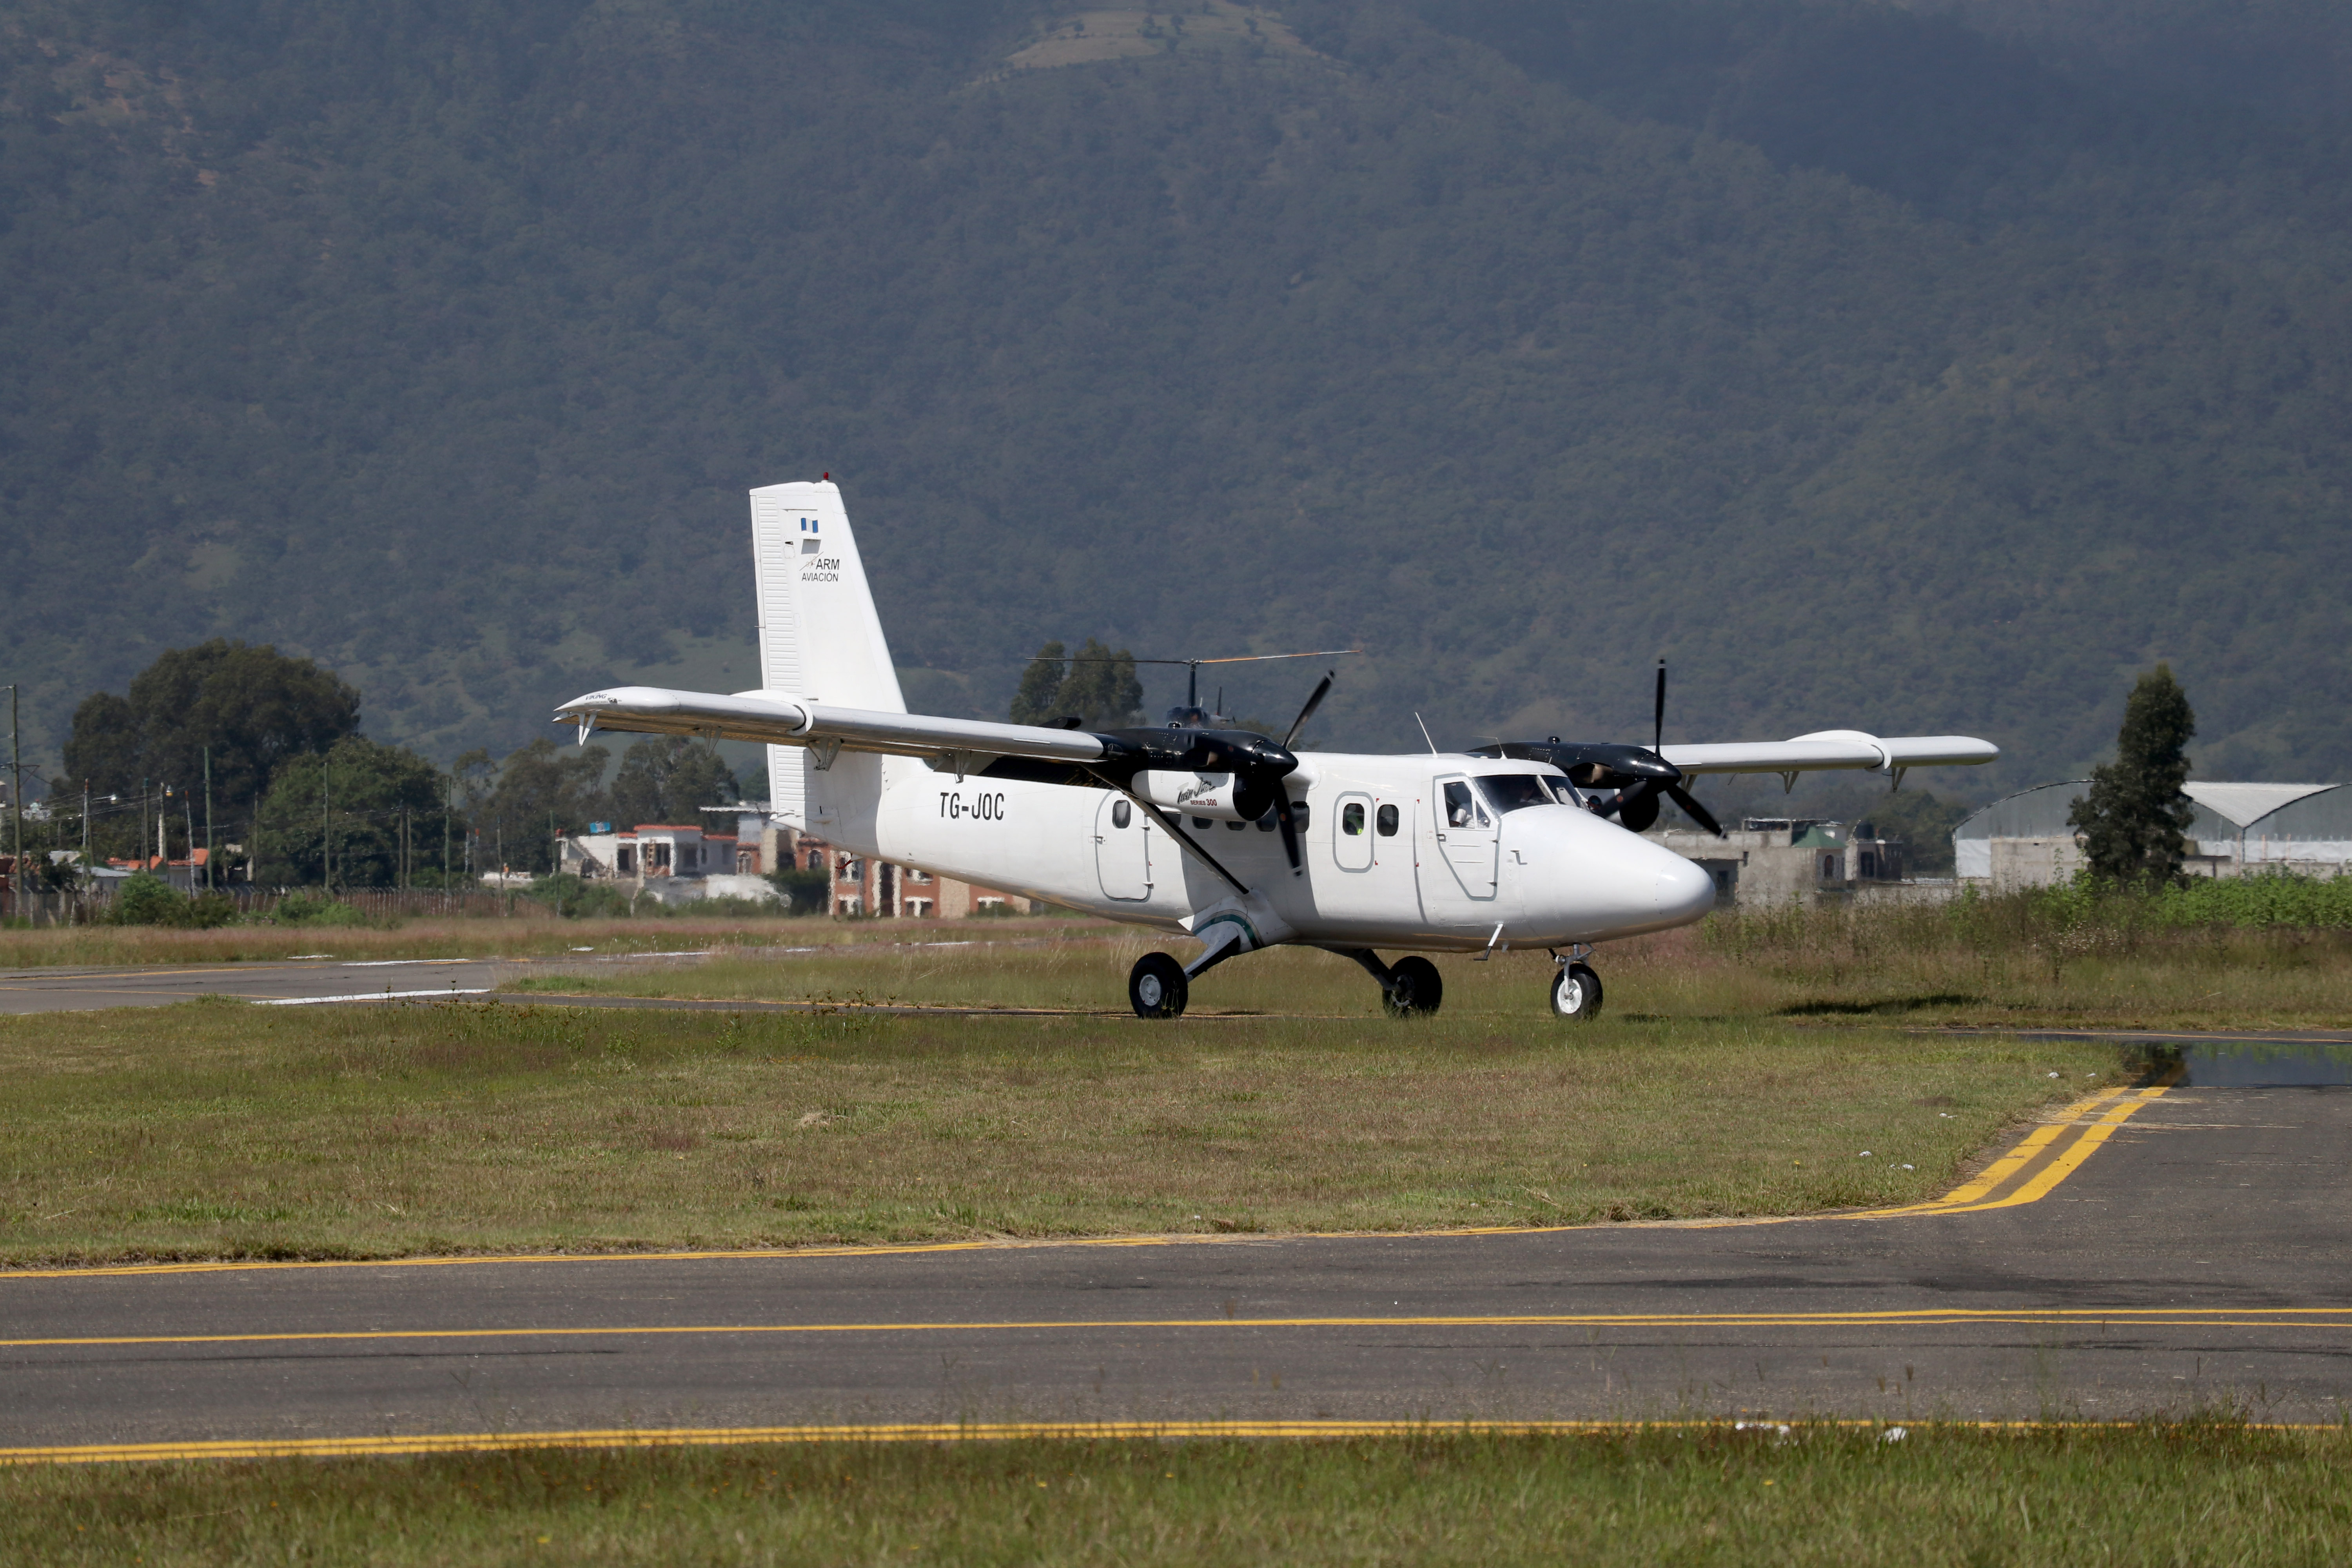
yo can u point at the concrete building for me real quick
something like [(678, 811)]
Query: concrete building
[(1769, 860), (2023, 840)]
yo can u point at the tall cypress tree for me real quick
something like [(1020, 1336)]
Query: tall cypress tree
[(1040, 684), (2134, 815)]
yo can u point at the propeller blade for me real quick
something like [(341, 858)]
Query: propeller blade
[(1658, 718), (1321, 688), (1692, 809), (1290, 825)]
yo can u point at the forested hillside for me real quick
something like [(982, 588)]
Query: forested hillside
[(1872, 369)]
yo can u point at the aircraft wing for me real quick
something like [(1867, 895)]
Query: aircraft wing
[(774, 719), (1833, 748)]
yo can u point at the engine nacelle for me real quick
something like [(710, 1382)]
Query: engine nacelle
[(1220, 797)]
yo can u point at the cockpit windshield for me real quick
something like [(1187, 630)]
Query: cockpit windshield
[(1564, 792), (1509, 791)]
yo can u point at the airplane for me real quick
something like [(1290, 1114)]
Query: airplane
[(1519, 843)]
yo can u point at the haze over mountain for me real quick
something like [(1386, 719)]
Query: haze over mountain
[(1928, 369)]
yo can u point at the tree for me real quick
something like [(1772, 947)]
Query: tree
[(1100, 688), (670, 779), (1041, 683), (346, 809), (251, 707), (540, 791), (2133, 816)]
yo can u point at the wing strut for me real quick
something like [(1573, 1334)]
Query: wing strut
[(1177, 833)]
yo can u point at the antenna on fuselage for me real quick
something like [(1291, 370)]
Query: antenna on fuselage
[(1424, 735)]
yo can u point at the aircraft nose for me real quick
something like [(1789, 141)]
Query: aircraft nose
[(1685, 890)]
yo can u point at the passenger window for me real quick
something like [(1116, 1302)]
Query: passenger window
[(1352, 819), (1458, 806), (1121, 814), (1388, 821)]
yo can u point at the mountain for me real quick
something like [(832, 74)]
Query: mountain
[(1916, 369)]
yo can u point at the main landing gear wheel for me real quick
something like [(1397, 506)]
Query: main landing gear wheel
[(1415, 989), (1156, 987), (1576, 991)]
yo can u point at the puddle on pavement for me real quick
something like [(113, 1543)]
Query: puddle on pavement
[(2257, 1064)]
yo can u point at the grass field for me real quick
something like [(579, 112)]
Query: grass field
[(225, 1130), (2183, 1494), (532, 933), (1717, 975)]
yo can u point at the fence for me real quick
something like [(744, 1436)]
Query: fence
[(71, 908)]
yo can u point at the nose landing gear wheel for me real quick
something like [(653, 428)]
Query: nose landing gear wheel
[(1576, 991), (1415, 989), (1156, 987)]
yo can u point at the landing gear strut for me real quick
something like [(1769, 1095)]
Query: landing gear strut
[(1411, 988), (1576, 989)]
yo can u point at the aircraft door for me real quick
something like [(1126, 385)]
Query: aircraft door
[(1468, 837), (1122, 848)]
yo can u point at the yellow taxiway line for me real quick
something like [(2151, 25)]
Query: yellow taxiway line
[(1890, 1318), (988, 1432)]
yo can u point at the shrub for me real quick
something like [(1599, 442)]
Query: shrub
[(803, 892), (206, 910), (734, 908), (576, 898), (146, 899), (309, 909)]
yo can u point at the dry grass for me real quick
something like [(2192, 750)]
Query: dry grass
[(2194, 1494), (2218, 979), (539, 935), (225, 1129)]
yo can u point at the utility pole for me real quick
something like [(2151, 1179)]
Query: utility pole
[(16, 806), (208, 819), (86, 882), (326, 833), (142, 825), (188, 816)]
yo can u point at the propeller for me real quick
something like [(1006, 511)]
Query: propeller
[(1640, 775), (1283, 817), (1258, 764), (1637, 806)]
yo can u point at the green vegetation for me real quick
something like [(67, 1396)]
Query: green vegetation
[(2265, 954), (245, 709), (1877, 369), (146, 899), (1095, 686), (356, 815), (670, 779), (213, 1129), (2135, 820), (2198, 1493)]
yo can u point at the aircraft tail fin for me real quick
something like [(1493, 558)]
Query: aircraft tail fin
[(820, 637)]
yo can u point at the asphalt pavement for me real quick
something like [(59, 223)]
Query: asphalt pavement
[(2174, 1249)]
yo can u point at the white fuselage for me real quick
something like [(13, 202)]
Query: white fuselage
[(1386, 863)]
